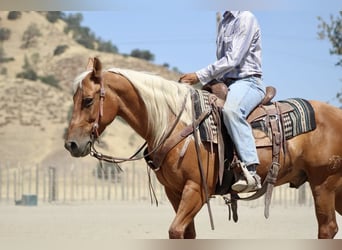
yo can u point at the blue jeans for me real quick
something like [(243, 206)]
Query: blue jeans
[(243, 96)]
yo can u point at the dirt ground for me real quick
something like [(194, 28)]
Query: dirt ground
[(119, 220)]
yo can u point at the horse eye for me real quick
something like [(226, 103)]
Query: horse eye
[(87, 102)]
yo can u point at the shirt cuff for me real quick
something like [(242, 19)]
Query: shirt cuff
[(203, 76)]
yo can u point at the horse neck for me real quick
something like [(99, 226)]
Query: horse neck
[(131, 106)]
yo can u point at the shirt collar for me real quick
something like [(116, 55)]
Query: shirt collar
[(234, 13)]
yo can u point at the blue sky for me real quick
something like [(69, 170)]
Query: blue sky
[(295, 61), (182, 34)]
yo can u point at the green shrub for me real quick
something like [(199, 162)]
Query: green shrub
[(6, 59), (4, 34), (3, 57), (50, 80), (30, 35), (29, 74), (3, 71), (60, 49), (13, 15)]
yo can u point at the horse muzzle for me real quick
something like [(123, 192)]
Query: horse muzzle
[(77, 149)]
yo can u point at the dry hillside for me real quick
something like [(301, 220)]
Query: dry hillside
[(33, 115)]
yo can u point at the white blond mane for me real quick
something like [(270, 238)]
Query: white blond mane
[(163, 99), (78, 81)]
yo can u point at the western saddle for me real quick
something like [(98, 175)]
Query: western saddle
[(271, 113)]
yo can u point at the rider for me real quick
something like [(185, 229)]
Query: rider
[(238, 65)]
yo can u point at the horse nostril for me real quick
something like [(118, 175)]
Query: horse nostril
[(71, 146)]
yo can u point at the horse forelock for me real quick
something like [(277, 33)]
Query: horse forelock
[(78, 80)]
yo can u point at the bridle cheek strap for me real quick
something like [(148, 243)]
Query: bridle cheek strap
[(95, 131)]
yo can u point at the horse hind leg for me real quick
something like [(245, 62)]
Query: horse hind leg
[(338, 201), (325, 211)]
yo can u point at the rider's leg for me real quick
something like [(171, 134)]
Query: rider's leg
[(243, 96)]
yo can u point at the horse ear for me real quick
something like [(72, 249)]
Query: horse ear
[(90, 64), (97, 68)]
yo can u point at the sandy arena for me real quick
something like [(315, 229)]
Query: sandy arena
[(119, 220)]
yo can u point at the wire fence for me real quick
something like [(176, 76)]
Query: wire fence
[(76, 183)]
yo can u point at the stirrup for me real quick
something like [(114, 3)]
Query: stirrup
[(247, 182)]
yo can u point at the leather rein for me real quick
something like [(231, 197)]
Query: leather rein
[(116, 160)]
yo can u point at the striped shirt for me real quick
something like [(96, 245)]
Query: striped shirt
[(238, 48)]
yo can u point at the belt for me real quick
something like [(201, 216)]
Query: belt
[(229, 81)]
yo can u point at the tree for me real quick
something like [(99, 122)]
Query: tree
[(53, 16), (142, 54), (333, 32), (73, 21), (106, 46), (82, 35)]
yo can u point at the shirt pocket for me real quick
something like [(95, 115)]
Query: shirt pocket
[(227, 43)]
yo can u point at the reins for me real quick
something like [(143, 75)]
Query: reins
[(116, 160), (199, 160)]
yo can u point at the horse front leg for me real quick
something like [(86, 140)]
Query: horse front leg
[(325, 211), (174, 198), (188, 205)]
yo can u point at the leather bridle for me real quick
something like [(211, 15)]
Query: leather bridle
[(116, 160), (95, 130)]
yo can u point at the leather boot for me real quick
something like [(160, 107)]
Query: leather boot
[(249, 181)]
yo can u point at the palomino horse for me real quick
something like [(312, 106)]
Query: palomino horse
[(150, 107)]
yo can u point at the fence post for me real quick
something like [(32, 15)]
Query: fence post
[(37, 181), (116, 180), (139, 184), (44, 183), (133, 180), (109, 182), (82, 183), (123, 182), (30, 181), (302, 195), (72, 183), (64, 183), (14, 187), (95, 181), (21, 179), (0, 183), (89, 182), (7, 182), (103, 182), (77, 184), (52, 184)]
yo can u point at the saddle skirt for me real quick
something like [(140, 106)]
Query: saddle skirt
[(293, 116)]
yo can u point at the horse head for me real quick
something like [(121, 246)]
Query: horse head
[(88, 120)]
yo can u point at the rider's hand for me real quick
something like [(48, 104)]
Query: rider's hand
[(190, 78)]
